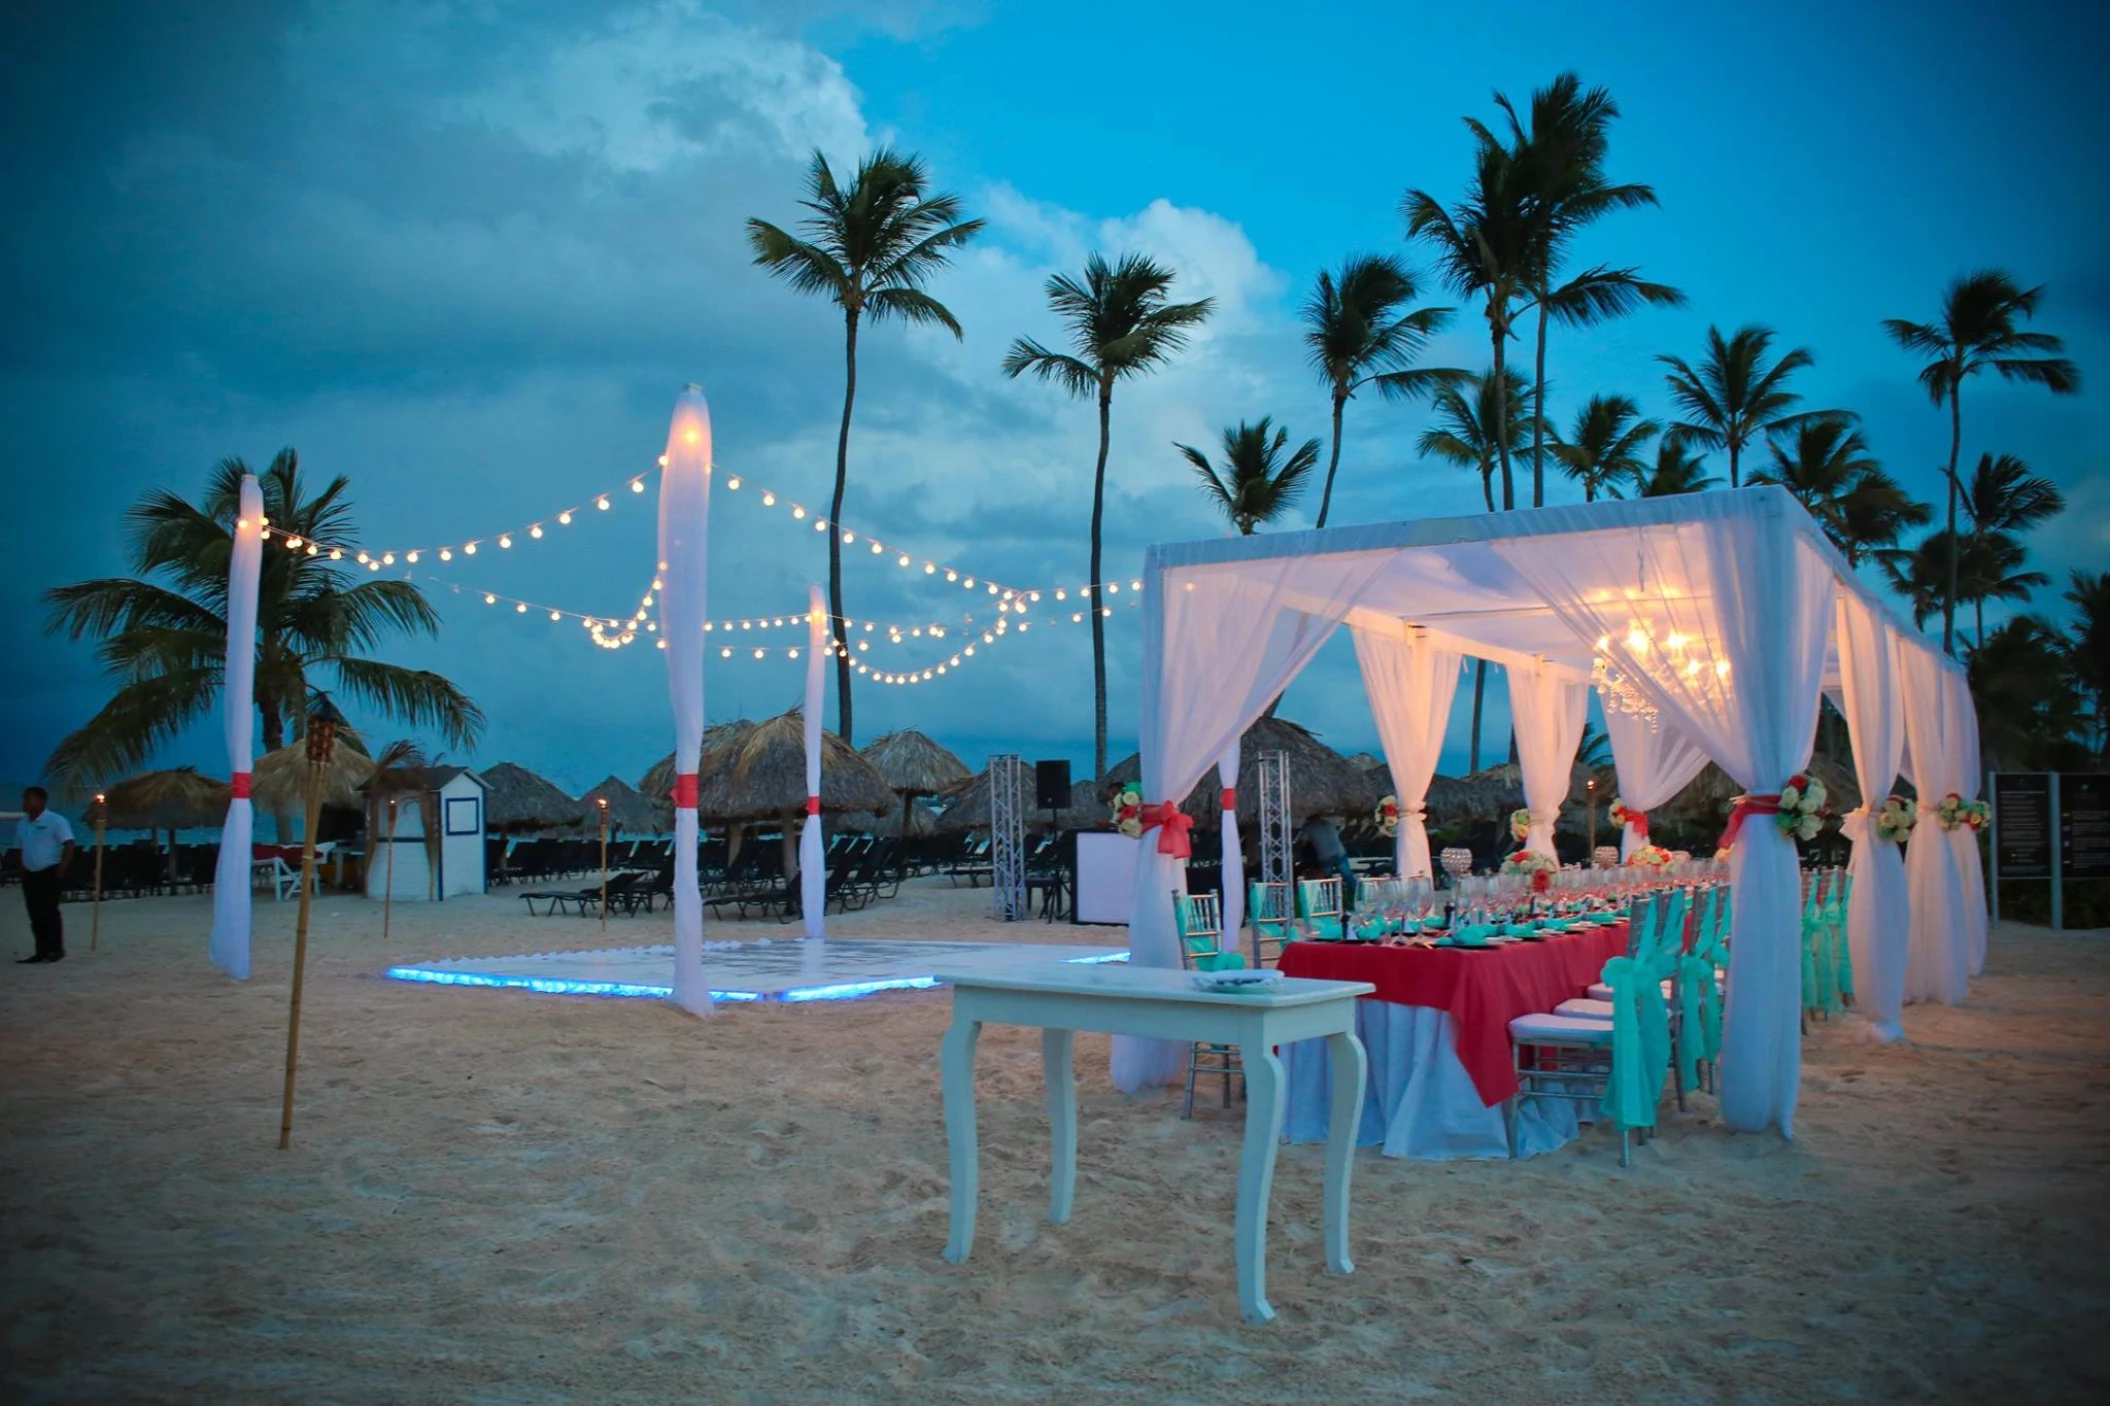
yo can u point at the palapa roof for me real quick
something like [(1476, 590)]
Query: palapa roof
[(1493, 792), (759, 773), (517, 799), (913, 820), (967, 807), (628, 811), (914, 765), (658, 783), (281, 777), (1707, 800), (1321, 780), (175, 799)]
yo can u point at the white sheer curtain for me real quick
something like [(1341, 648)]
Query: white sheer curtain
[(1548, 706), (1233, 852), (1654, 761), (1217, 647), (1938, 961), (1970, 866), (813, 870), (1878, 916), (1410, 683), (1721, 621), (684, 541), (229, 944)]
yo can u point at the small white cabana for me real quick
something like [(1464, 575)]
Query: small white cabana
[(1725, 613)]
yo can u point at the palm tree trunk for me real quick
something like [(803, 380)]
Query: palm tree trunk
[(1538, 414), (1472, 761), (388, 877), (835, 534), (1978, 609), (275, 738), (1340, 398), (1734, 452), (1500, 336), (1948, 605), (1106, 406)]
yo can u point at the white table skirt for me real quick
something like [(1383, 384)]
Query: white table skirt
[(1419, 1101)]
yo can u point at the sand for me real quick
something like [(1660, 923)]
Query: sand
[(494, 1196)]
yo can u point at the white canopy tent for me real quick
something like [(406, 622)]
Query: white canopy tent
[(1718, 609)]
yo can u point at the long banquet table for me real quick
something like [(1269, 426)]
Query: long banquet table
[(1437, 1034)]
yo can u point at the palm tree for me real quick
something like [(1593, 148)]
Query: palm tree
[(2088, 648), (1256, 484), (1826, 465), (164, 631), (2004, 496), (1916, 574), (1976, 330), (1676, 472), (1733, 397), (2030, 702), (1121, 326), (399, 770), (1483, 249), (1561, 164), (1603, 450), (870, 251), (1357, 335), (1990, 567), (1466, 416)]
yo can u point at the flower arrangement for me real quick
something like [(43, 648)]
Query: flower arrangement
[(1802, 807), (1978, 814), (1619, 812), (1519, 823), (1649, 857), (1128, 810), (1387, 816), (1955, 813), (1540, 867), (1895, 820)]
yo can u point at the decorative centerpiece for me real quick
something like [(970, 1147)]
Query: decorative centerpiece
[(1895, 820), (1802, 807), (1955, 813), (1540, 867), (1519, 824), (1619, 812), (1128, 810), (1649, 857), (1387, 816)]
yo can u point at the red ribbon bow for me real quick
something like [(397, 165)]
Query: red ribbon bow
[(685, 788), (1637, 821), (239, 786), (1748, 805), (1172, 824), (1230, 798), (813, 805)]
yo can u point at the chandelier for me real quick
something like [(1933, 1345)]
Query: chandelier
[(1681, 669), (1617, 690)]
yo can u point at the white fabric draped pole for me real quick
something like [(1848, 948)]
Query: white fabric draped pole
[(684, 533), (1214, 657), (1751, 605), (1970, 865), (1233, 850), (1878, 915), (1549, 706), (229, 944), (1410, 683), (813, 873), (1938, 961), (1654, 762)]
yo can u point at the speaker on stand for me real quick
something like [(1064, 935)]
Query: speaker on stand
[(1051, 786)]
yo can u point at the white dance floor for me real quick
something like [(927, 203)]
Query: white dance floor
[(790, 969)]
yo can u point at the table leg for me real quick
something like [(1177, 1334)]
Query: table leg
[(1256, 1176), (1062, 1121), (956, 1057), (1347, 1066)]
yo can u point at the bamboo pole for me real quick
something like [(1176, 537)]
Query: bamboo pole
[(604, 863), (95, 923), (322, 738), (388, 882)]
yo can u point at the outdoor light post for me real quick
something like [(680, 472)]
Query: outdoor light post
[(95, 923), (323, 722), (602, 802)]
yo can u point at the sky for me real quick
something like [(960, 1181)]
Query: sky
[(467, 255)]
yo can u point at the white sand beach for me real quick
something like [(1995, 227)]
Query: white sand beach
[(497, 1196)]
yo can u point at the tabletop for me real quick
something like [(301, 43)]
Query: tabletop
[(1116, 980)]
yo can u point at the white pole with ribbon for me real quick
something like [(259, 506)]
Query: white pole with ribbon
[(684, 527), (813, 873), (229, 944)]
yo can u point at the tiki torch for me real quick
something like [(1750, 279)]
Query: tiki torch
[(602, 802), (323, 722), (95, 924)]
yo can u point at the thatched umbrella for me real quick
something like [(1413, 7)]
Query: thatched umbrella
[(967, 808), (627, 810), (658, 783), (759, 773), (1321, 780), (913, 821), (171, 800), (913, 766), (281, 777), (516, 799)]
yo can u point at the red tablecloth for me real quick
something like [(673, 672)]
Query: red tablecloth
[(1482, 990)]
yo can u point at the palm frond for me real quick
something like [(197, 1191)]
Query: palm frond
[(416, 697)]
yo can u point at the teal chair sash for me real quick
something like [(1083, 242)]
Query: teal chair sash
[(1640, 1042)]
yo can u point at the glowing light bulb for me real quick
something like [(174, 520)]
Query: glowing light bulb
[(663, 458), (692, 434), (968, 584), (660, 643), (798, 512), (361, 558), (1637, 641), (313, 549), (793, 653), (490, 599), (564, 518), (864, 644), (388, 558), (1135, 585), (445, 555), (470, 548), (820, 527), (520, 609), (292, 544), (733, 482), (601, 503), (505, 540), (555, 615), (758, 654), (1113, 588), (848, 537), (725, 654), (878, 549), (411, 557), (336, 554), (904, 560), (769, 500), (1077, 617), (1062, 595)]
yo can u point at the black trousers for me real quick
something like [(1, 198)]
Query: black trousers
[(40, 894)]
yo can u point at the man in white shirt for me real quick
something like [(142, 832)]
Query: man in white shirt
[(46, 842)]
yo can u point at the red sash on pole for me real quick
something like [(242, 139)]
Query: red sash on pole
[(1172, 825), (1230, 798), (813, 805), (685, 788), (239, 785), (1748, 805)]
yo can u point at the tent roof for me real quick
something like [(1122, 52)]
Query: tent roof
[(1446, 574)]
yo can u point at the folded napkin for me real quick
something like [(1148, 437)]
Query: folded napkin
[(1473, 936), (1220, 962)]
